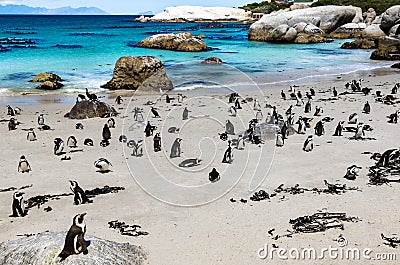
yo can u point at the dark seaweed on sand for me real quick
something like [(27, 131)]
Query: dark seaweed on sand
[(125, 229), (14, 188), (393, 242), (42, 199), (105, 190)]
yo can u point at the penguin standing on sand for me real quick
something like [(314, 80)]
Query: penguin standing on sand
[(367, 108), (88, 142), (31, 136), (213, 176), (256, 105), (103, 165), (229, 128), (10, 111), (167, 99), (185, 114), (157, 142), (279, 140), (137, 149), (307, 108), (72, 142), (319, 128), (228, 154), (232, 111), (106, 133), (149, 129), (237, 104), (395, 88), (58, 146), (240, 143), (111, 123), (259, 115), (312, 91), (232, 97), (301, 129), (74, 241), (23, 165), (180, 98), (359, 131), (18, 209), (118, 100), (353, 118), (283, 95), (339, 129), (155, 113), (12, 124), (352, 172), (308, 144), (318, 111), (176, 148), (335, 93), (79, 195), (284, 130), (41, 120), (79, 126)]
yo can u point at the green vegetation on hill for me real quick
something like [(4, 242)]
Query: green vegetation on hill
[(265, 7), (380, 6)]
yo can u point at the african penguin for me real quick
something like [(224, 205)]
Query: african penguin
[(256, 105), (149, 129), (259, 115), (18, 209), (359, 131), (155, 113), (74, 241), (339, 129), (228, 154), (319, 128), (111, 123), (88, 142), (367, 108), (31, 136), (23, 165), (72, 142), (352, 172), (279, 140), (123, 138), (12, 124), (79, 195), (103, 165), (185, 114), (307, 107), (229, 128), (157, 142), (240, 143), (118, 100), (180, 98), (335, 93), (308, 144), (353, 118), (10, 111), (232, 111), (301, 129), (58, 146), (283, 95), (213, 176), (237, 104), (79, 126), (40, 120), (318, 111), (176, 148), (106, 132)]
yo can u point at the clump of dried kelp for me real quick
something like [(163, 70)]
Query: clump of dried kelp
[(127, 230), (393, 242), (42, 199), (386, 169), (105, 190), (14, 188)]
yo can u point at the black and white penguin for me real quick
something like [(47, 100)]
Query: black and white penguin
[(111, 123), (359, 131), (237, 104), (79, 126), (23, 165), (123, 138), (58, 146), (118, 100), (353, 118), (395, 88), (367, 108), (157, 142), (299, 95), (232, 111), (319, 128), (80, 97), (318, 111), (185, 114), (228, 154), (279, 140), (155, 112), (91, 96), (80, 196), (41, 120), (103, 165), (388, 157), (290, 119), (180, 98), (308, 144), (259, 115), (269, 119), (335, 93), (10, 111), (18, 209), (167, 99), (339, 129), (284, 130), (299, 101), (312, 92), (137, 114), (31, 136), (17, 111), (75, 239), (307, 108), (176, 148), (12, 124), (88, 142), (309, 96), (213, 176), (240, 143), (229, 128), (352, 172), (149, 129), (232, 97), (72, 142), (289, 110), (283, 95), (137, 149), (301, 129), (106, 132)]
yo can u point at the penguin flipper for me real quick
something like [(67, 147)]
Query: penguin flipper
[(82, 244)]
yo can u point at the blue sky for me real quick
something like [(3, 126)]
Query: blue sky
[(126, 6)]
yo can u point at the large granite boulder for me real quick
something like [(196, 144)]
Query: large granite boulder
[(360, 44), (390, 18), (49, 85), (369, 16), (144, 72), (349, 30), (183, 41), (44, 248), (48, 81), (373, 31), (284, 26), (86, 109), (388, 49)]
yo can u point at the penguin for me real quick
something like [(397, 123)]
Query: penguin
[(111, 123), (79, 195), (176, 148), (103, 165), (88, 142), (237, 104), (283, 95), (335, 93), (289, 110), (104, 143), (388, 157), (279, 140), (213, 176), (118, 100), (41, 120), (307, 108), (353, 118), (240, 143), (256, 105), (185, 114), (12, 124), (123, 139), (339, 129), (79, 126), (106, 133), (74, 241), (359, 131), (17, 111), (31, 136), (191, 162), (71, 142), (10, 111), (284, 130), (180, 98), (157, 142), (229, 128), (366, 90), (309, 96), (394, 117), (80, 97), (318, 111), (299, 94), (312, 91), (23, 165), (395, 88), (58, 146), (299, 102), (269, 119), (232, 97), (155, 113), (293, 94), (18, 209), (319, 128), (275, 114), (137, 149), (290, 119), (352, 172), (90, 96), (301, 129), (138, 116), (367, 108), (149, 129), (308, 144), (228, 154), (232, 111), (167, 99), (259, 115)]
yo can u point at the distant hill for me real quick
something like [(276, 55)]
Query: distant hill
[(27, 10)]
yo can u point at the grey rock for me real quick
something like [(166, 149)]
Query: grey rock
[(183, 41), (390, 18), (90, 109)]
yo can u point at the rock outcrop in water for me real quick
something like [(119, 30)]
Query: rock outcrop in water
[(183, 41), (212, 60), (144, 72), (48, 81), (201, 13), (44, 248), (86, 109), (388, 49), (303, 25)]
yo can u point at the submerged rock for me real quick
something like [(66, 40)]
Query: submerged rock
[(212, 60), (388, 49), (360, 44), (49, 85), (144, 72), (183, 41), (44, 248), (90, 109), (48, 81)]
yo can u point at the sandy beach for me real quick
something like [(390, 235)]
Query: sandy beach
[(209, 228)]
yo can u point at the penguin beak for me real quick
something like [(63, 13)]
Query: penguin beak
[(82, 215)]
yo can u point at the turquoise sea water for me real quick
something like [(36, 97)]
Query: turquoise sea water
[(84, 49)]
